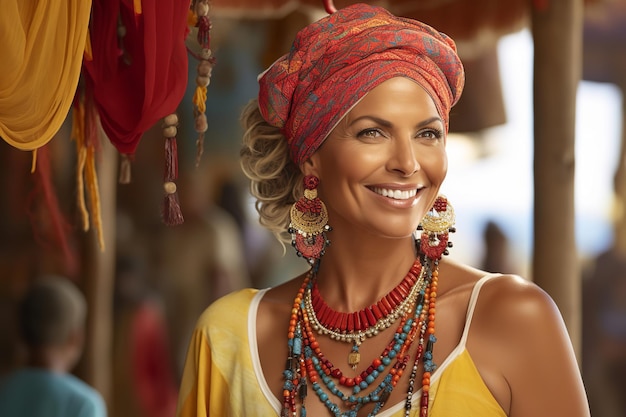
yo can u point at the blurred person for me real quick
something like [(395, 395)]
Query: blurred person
[(144, 382), (497, 250), (51, 324), (604, 333)]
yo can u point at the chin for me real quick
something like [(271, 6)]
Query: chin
[(398, 233)]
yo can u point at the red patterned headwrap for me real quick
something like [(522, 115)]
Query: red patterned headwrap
[(335, 61)]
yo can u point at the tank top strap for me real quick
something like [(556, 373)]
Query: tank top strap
[(472, 305)]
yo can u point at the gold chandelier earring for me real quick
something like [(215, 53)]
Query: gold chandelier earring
[(309, 223), (433, 232)]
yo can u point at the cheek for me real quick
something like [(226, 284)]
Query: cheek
[(338, 176), (444, 164), (436, 166), (349, 162)]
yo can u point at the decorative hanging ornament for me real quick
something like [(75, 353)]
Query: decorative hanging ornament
[(309, 223), (435, 228), (172, 214), (136, 72), (200, 24), (85, 126)]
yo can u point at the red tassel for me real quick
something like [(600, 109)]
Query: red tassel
[(171, 159), (172, 215), (204, 26)]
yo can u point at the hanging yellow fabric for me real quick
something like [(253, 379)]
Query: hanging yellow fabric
[(41, 53)]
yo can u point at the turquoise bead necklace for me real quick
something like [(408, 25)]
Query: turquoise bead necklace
[(307, 363)]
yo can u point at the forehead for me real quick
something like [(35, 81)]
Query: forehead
[(398, 95)]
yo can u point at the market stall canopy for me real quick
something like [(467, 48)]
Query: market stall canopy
[(461, 19)]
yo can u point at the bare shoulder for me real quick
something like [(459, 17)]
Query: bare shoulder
[(522, 348), (518, 296), (506, 302), (520, 319), (512, 304)]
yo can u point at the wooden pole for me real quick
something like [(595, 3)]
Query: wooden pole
[(557, 36), (619, 227), (99, 270)]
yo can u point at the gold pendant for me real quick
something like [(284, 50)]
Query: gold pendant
[(353, 359)]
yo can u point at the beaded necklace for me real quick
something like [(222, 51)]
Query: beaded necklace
[(370, 316), (322, 316), (307, 364)]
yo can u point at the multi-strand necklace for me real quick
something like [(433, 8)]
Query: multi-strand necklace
[(356, 327), (411, 305)]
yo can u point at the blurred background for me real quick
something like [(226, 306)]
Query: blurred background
[(174, 272)]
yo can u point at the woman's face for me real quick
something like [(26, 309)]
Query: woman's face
[(382, 166)]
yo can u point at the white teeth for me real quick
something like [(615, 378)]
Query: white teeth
[(396, 194)]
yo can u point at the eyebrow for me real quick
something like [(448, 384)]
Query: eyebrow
[(387, 123)]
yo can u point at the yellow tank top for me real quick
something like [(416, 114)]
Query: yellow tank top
[(223, 375), (457, 389), (460, 391)]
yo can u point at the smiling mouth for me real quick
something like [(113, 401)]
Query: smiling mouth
[(395, 194)]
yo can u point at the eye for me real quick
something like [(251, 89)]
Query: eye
[(430, 133), (369, 133)]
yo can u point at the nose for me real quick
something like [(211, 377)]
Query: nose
[(403, 158)]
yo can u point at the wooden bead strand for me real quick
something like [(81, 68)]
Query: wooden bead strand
[(206, 61), (172, 214)]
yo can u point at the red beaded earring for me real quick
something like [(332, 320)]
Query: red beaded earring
[(435, 226), (309, 223)]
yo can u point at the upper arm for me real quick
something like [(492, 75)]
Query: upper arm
[(195, 383), (529, 344)]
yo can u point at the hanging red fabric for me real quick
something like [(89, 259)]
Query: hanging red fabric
[(138, 70)]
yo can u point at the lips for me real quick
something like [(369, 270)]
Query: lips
[(396, 194)]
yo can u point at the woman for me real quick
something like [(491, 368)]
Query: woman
[(350, 132)]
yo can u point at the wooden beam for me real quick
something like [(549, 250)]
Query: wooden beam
[(557, 36), (99, 270)]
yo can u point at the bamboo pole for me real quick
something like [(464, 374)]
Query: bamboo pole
[(557, 36)]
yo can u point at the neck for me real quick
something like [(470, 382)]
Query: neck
[(54, 359), (356, 273)]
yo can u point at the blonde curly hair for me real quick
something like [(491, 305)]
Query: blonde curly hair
[(275, 180)]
